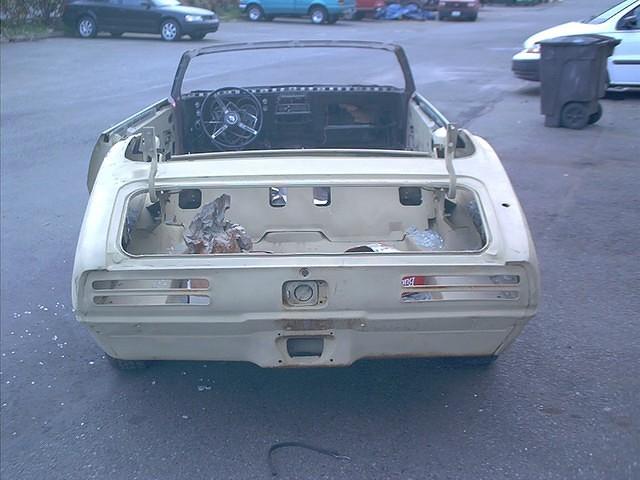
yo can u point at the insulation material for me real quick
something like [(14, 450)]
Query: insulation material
[(209, 232)]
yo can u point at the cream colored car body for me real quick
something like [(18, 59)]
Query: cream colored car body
[(364, 316), (473, 299)]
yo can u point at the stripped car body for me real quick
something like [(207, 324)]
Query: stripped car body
[(340, 261)]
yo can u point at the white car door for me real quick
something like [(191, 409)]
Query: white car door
[(624, 64)]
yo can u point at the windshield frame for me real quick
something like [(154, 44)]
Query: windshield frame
[(606, 16), (409, 87)]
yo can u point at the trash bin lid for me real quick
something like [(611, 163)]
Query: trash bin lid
[(580, 40)]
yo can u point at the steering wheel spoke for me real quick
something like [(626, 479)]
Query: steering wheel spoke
[(221, 104), (219, 131), (231, 117), (250, 115), (247, 128)]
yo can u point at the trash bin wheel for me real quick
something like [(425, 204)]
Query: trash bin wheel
[(594, 117), (575, 115)]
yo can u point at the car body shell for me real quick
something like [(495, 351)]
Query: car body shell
[(623, 65), (245, 321), (116, 17), (458, 9), (368, 7), (247, 318), (300, 8)]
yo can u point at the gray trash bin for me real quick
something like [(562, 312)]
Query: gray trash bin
[(573, 76)]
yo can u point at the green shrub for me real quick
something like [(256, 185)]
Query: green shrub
[(15, 12), (227, 9), (215, 5)]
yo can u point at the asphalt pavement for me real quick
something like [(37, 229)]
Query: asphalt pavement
[(562, 403)]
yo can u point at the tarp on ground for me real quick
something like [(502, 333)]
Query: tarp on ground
[(395, 11)]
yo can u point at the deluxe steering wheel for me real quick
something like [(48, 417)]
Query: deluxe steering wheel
[(231, 117)]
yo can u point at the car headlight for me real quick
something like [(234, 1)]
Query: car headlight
[(193, 18), (534, 49)]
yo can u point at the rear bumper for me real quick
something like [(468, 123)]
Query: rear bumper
[(268, 342), (380, 307), (464, 12)]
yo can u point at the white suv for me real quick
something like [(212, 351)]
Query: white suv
[(621, 21)]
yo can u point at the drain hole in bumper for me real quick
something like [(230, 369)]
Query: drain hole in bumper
[(305, 347)]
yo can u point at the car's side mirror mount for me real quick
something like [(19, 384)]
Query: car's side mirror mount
[(449, 155), (445, 142), (438, 142), (151, 154)]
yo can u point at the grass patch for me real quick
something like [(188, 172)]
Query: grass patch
[(25, 31), (229, 14)]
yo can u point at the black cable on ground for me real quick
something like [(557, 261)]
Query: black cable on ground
[(276, 446)]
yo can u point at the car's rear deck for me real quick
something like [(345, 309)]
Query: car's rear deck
[(347, 255)]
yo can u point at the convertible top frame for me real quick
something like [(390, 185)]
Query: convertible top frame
[(409, 88)]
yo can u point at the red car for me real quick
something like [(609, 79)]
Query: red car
[(458, 9), (366, 8)]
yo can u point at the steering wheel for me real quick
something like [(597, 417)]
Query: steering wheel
[(231, 117)]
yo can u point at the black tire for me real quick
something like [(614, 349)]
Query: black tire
[(170, 30), (86, 27), (255, 13), (332, 19), (473, 17), (318, 15), (358, 16), (575, 115), (127, 365), (594, 117), (441, 17), (197, 36)]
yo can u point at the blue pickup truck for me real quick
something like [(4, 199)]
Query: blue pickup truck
[(319, 11)]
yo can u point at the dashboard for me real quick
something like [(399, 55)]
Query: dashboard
[(322, 116)]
